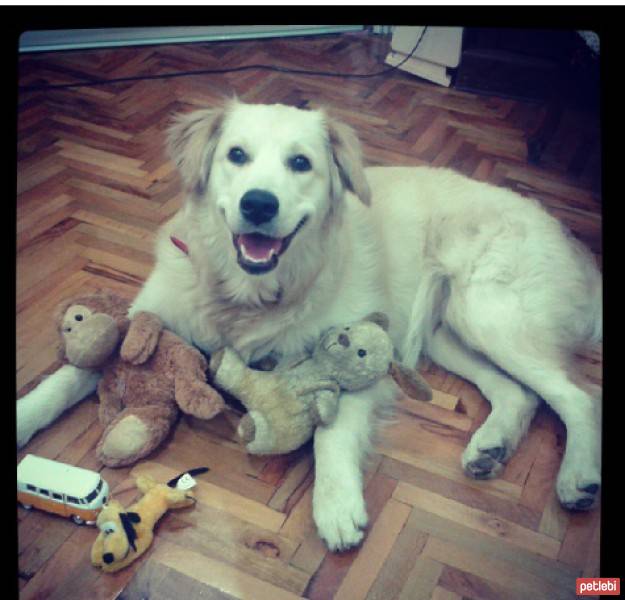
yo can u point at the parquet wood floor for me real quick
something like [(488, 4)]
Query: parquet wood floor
[(93, 187)]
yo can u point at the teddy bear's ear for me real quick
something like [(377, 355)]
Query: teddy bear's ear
[(379, 318), (410, 382)]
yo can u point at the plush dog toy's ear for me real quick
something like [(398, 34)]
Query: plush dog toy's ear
[(127, 520), (347, 155), (191, 142), (174, 482), (379, 318), (410, 382)]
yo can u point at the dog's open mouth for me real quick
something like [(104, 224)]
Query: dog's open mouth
[(258, 253)]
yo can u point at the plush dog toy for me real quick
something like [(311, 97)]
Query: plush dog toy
[(143, 384), (285, 405), (125, 534)]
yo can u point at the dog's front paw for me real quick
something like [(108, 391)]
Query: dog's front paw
[(339, 513)]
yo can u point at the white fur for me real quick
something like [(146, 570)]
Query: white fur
[(483, 280), (53, 396)]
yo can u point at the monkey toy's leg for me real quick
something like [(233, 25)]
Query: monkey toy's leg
[(111, 389), (193, 395), (134, 433)]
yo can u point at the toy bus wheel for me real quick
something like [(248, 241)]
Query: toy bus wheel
[(78, 520), (26, 506)]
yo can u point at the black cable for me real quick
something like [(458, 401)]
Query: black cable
[(36, 88)]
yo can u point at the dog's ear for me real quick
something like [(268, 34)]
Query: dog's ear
[(347, 157), (127, 520), (191, 142), (410, 381)]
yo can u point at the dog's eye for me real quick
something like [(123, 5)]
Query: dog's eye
[(362, 353), (78, 317), (237, 156), (108, 528), (300, 163)]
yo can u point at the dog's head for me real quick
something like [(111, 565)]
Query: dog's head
[(117, 541), (273, 173)]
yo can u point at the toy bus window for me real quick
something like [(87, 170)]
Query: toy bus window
[(91, 497), (44, 492), (57, 496), (31, 488), (73, 500)]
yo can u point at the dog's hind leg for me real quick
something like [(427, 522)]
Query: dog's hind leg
[(579, 478), (338, 504), (513, 406), (493, 320)]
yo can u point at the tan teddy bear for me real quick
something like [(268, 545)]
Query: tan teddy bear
[(285, 405), (144, 383)]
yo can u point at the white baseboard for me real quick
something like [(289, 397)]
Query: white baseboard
[(75, 39)]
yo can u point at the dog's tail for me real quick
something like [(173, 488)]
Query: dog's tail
[(424, 314), (591, 328), (596, 333)]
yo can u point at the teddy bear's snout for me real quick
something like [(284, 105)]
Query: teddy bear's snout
[(108, 558), (343, 340)]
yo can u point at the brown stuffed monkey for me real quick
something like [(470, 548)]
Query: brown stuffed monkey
[(144, 382)]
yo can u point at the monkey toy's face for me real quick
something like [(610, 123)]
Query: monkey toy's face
[(89, 337)]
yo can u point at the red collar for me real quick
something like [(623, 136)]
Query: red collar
[(179, 244)]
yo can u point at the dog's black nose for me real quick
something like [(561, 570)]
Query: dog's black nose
[(108, 558), (258, 206)]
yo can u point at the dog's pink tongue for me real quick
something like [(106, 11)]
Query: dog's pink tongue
[(259, 247)]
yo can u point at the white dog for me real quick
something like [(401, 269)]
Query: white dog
[(284, 234)]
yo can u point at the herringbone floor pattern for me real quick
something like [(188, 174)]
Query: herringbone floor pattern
[(93, 187)]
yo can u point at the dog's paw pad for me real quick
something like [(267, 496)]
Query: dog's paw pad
[(578, 496), (482, 468), (484, 464), (497, 453), (593, 488)]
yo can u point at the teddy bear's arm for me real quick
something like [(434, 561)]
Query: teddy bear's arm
[(324, 402), (142, 338)]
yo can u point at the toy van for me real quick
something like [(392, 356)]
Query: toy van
[(60, 488)]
